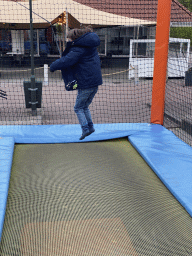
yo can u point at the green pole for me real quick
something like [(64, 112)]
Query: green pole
[(33, 85)]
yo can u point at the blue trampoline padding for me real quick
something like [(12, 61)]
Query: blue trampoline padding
[(69, 133), (6, 156), (170, 158)]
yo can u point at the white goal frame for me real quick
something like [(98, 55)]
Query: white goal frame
[(142, 66)]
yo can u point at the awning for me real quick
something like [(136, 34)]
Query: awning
[(15, 15)]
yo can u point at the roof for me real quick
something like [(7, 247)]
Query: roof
[(139, 9), (16, 14)]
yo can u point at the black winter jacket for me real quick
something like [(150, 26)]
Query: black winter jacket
[(80, 61)]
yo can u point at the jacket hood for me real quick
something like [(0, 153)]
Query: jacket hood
[(90, 39)]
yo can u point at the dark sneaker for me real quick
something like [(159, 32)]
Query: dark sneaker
[(91, 130), (84, 134)]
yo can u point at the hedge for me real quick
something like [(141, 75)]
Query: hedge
[(181, 32)]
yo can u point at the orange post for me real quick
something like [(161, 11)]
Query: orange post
[(160, 61)]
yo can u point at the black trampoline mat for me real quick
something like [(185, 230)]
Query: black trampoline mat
[(98, 198)]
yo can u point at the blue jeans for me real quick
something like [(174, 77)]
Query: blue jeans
[(83, 100)]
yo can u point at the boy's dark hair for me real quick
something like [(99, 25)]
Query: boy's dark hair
[(78, 32)]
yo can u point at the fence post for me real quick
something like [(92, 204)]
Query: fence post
[(46, 78)]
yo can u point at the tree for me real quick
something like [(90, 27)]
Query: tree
[(187, 4)]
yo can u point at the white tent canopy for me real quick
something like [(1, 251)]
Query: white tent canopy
[(18, 13)]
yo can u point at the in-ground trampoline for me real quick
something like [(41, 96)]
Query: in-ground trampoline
[(98, 197), (125, 189)]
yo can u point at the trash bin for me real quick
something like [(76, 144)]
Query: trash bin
[(27, 86), (188, 77)]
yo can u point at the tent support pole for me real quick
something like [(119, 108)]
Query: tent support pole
[(33, 85)]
